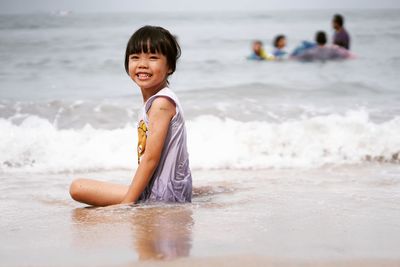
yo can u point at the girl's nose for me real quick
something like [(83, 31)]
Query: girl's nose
[(142, 63)]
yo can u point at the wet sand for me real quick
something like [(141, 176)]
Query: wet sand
[(246, 260), (335, 216)]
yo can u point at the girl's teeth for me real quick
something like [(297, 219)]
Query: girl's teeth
[(143, 75)]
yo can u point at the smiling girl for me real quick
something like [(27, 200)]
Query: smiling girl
[(163, 174)]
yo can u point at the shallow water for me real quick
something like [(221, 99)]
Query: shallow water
[(325, 214)]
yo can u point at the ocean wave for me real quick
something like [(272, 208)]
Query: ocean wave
[(310, 142), (36, 145)]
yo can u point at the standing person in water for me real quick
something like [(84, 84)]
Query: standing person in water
[(163, 173), (341, 36)]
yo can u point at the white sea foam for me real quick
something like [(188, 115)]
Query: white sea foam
[(36, 145), (309, 142)]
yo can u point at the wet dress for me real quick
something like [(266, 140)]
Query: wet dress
[(172, 179)]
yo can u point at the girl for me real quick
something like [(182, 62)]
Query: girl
[(163, 173)]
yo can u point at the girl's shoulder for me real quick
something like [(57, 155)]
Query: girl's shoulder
[(165, 93)]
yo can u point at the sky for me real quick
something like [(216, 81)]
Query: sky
[(95, 6)]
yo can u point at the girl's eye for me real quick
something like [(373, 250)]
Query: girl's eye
[(134, 57), (154, 57)]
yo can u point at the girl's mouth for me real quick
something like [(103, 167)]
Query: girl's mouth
[(143, 76)]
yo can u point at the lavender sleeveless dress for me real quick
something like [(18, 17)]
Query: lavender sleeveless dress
[(172, 179)]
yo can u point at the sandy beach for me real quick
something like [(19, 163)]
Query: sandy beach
[(338, 216)]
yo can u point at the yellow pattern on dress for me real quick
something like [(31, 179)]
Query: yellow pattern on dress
[(142, 136)]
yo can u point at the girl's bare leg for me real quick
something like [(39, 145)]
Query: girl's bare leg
[(97, 193)]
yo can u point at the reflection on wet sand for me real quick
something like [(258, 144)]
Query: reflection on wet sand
[(160, 232)]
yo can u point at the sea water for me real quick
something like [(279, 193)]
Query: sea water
[(65, 96), (292, 159)]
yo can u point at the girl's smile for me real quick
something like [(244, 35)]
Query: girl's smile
[(143, 76)]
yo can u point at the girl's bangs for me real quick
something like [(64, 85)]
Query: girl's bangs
[(148, 46)]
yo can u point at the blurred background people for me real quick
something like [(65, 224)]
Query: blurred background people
[(258, 52), (322, 51), (341, 36), (279, 44), (304, 45)]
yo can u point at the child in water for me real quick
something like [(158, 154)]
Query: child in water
[(163, 174), (258, 52), (279, 44)]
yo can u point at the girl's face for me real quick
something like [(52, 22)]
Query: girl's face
[(149, 70)]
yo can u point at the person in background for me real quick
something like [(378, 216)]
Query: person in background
[(323, 52), (301, 48), (258, 52), (279, 44), (341, 36)]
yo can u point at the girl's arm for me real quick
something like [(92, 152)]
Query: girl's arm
[(160, 114)]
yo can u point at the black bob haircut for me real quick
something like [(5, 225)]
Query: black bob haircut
[(277, 39), (337, 18), (320, 38), (153, 39)]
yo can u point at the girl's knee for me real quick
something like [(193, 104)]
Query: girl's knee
[(76, 189)]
